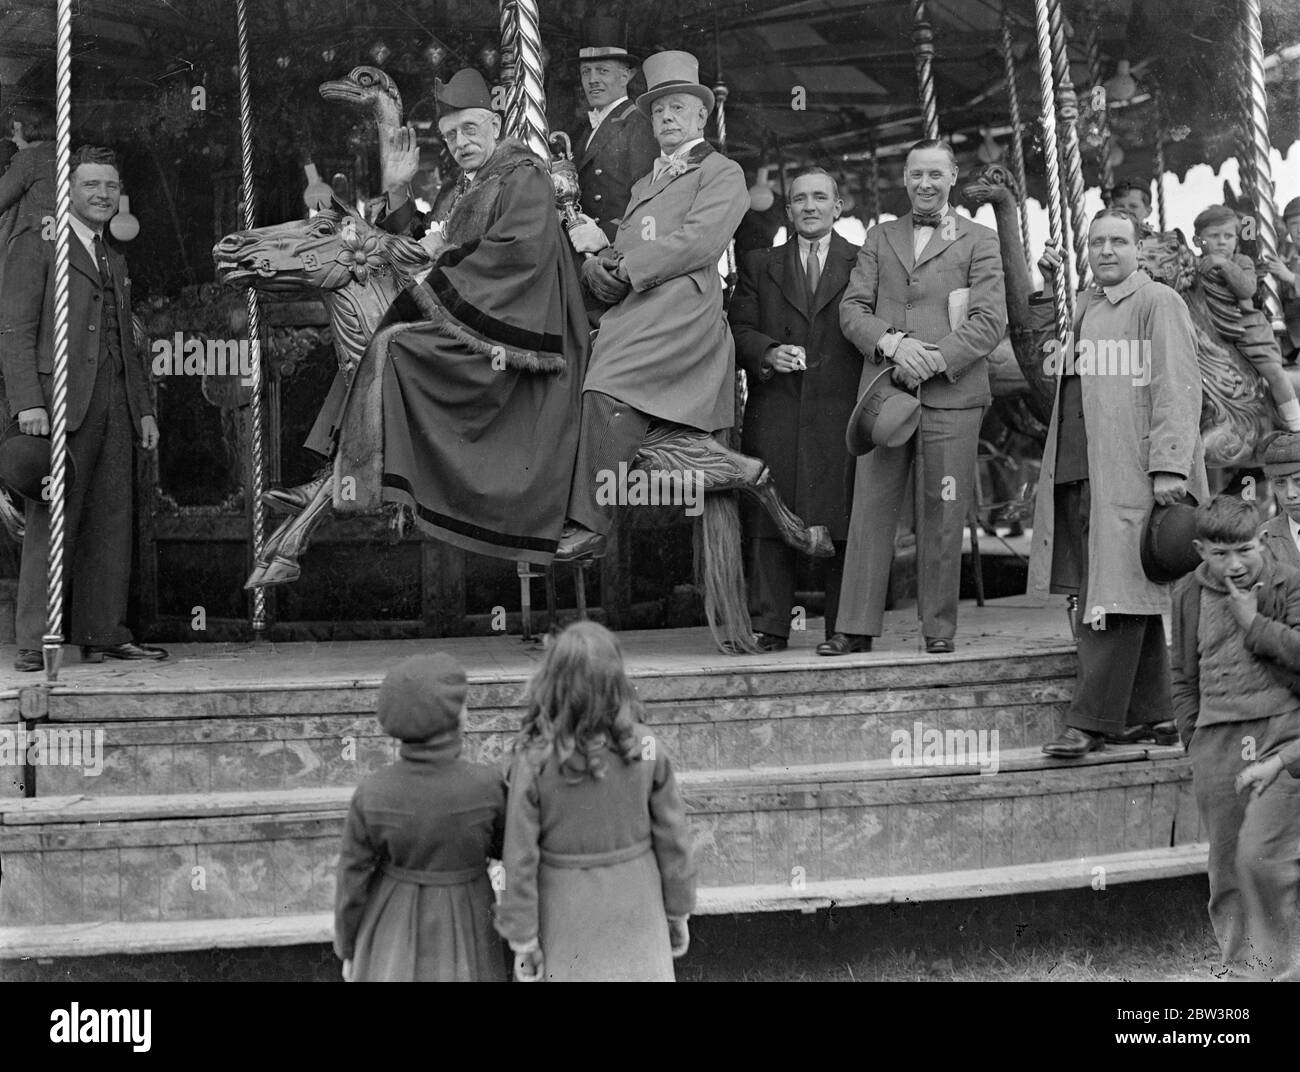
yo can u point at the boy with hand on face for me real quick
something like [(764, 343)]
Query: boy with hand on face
[(1227, 278), (1236, 670)]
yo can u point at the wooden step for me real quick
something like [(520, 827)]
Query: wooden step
[(97, 939), (262, 853)]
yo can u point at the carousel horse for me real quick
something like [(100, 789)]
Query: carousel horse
[(360, 272)]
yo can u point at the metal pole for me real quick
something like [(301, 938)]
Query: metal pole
[(1067, 110), (1265, 211), (923, 48), (1101, 105), (256, 430), (53, 640), (1017, 139), (873, 185), (526, 102), (1063, 292), (1159, 168)]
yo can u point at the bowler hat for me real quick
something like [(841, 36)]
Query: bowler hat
[(422, 697), (885, 416), (1166, 550), (25, 463), (672, 72), (604, 38), (466, 89)]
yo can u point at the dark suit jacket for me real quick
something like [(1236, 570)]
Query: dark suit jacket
[(1273, 638), (795, 422), (623, 150), (890, 288), (1275, 534), (27, 329)]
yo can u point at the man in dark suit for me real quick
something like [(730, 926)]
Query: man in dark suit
[(927, 293), (617, 145), (803, 377), (108, 402)]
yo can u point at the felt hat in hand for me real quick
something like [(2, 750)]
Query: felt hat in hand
[(25, 463), (467, 89), (672, 72), (885, 416), (604, 38), (1166, 550)]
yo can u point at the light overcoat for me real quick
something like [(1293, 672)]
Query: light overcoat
[(1134, 430)]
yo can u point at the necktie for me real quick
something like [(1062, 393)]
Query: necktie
[(101, 262), (813, 271)]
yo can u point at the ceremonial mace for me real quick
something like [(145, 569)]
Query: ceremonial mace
[(564, 177)]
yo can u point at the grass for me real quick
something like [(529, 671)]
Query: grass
[(1152, 931)]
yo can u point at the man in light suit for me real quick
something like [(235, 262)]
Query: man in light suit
[(898, 308), (108, 405), (663, 350), (803, 375)]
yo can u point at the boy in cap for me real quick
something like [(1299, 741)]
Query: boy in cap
[(1236, 669), (1281, 460), (1227, 279), (413, 899)]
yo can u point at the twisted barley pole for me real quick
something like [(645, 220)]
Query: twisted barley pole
[(1159, 168), (1265, 211), (1067, 108), (256, 431), (1017, 138), (923, 49), (53, 639), (526, 100), (1245, 140), (1063, 292), (1101, 106)]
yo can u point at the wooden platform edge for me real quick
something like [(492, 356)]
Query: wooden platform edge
[(101, 939)]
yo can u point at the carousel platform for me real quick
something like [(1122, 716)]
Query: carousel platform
[(197, 803)]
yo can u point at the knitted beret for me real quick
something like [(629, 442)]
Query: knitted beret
[(1281, 454), (422, 697), (1213, 215)]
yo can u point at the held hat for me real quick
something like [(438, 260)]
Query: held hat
[(25, 463), (885, 416), (604, 38), (422, 697), (466, 89), (1166, 550), (1281, 456), (672, 72)]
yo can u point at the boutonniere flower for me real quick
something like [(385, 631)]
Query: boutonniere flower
[(677, 166)]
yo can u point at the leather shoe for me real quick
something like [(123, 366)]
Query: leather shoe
[(844, 644), (939, 645), (770, 642), (29, 661), (1159, 732), (294, 500), (579, 543), (95, 654), (1074, 743)]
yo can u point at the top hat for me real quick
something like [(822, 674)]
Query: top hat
[(885, 416), (466, 89), (422, 697), (1166, 550), (672, 72), (25, 463), (604, 38)]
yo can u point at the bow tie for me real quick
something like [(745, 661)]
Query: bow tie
[(926, 219)]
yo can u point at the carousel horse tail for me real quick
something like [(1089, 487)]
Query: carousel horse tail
[(720, 573)]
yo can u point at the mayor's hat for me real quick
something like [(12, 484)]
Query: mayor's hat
[(672, 72), (466, 89)]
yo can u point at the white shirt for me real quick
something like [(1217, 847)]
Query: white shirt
[(822, 246), (87, 237), (1295, 531), (678, 154), (599, 116)]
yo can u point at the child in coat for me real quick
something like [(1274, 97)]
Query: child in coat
[(1236, 669), (599, 880), (413, 900), (1227, 279)]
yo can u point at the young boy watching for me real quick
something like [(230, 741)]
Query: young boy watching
[(1227, 279), (1236, 664)]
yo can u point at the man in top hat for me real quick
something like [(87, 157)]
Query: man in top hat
[(802, 376), (663, 351), (903, 305), (479, 397), (108, 407), (616, 145), (1124, 437), (1285, 267)]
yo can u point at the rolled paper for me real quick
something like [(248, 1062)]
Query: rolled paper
[(318, 193)]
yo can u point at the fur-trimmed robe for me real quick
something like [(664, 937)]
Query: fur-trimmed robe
[(481, 401)]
